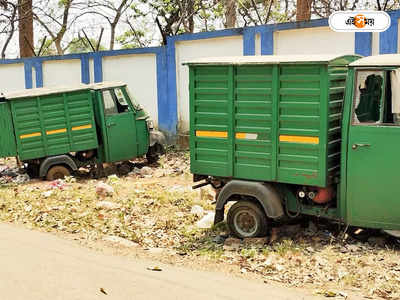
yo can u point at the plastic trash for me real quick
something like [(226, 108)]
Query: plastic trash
[(197, 210), (207, 221)]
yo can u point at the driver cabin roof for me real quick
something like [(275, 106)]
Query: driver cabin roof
[(60, 89), (378, 60)]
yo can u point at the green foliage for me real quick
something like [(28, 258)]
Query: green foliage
[(80, 45), (131, 39), (48, 48)]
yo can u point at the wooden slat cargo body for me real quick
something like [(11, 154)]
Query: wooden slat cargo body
[(49, 122), (268, 118)]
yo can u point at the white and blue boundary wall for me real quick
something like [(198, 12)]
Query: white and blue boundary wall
[(157, 77)]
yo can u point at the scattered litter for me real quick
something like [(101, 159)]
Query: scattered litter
[(207, 221), (326, 293), (155, 268), (197, 210), (145, 171), (47, 194), (57, 184), (112, 178), (21, 178), (10, 172), (107, 205), (104, 190)]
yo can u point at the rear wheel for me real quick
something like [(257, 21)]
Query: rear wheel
[(57, 172), (247, 220)]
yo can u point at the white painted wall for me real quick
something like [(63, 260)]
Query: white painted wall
[(61, 72), (320, 40), (186, 50), (12, 77), (91, 70), (139, 71), (258, 44), (375, 43)]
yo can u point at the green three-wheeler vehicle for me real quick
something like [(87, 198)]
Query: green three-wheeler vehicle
[(284, 136), (58, 130)]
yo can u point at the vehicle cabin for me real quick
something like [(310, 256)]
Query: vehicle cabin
[(57, 130)]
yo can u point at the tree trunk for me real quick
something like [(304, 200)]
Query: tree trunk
[(112, 36), (230, 13), (25, 26), (303, 10), (59, 48)]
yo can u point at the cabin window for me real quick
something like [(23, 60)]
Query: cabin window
[(377, 98), (368, 97), (122, 104), (110, 107)]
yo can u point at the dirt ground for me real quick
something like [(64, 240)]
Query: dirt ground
[(152, 212)]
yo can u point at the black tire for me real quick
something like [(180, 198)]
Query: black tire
[(152, 158), (57, 172), (246, 219)]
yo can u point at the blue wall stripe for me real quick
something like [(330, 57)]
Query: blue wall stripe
[(388, 39), (98, 67), (267, 42), (249, 41), (363, 43), (167, 111), (39, 73), (28, 74), (85, 74), (171, 110)]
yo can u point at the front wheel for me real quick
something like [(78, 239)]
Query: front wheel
[(57, 172), (247, 220), (154, 152)]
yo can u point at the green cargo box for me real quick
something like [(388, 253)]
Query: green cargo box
[(269, 118), (50, 121)]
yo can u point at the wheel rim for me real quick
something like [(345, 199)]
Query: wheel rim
[(246, 223)]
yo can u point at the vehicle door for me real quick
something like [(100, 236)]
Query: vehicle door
[(120, 125), (373, 165)]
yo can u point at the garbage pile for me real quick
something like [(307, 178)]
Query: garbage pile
[(12, 175)]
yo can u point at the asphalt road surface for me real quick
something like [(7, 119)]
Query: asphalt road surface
[(35, 265)]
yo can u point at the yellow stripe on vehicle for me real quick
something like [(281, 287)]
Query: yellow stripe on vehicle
[(24, 136), (299, 139), (247, 136), (82, 127), (62, 130), (220, 134)]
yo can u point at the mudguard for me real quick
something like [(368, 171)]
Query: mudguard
[(56, 160), (265, 193)]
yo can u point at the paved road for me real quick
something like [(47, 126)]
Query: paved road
[(35, 265)]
